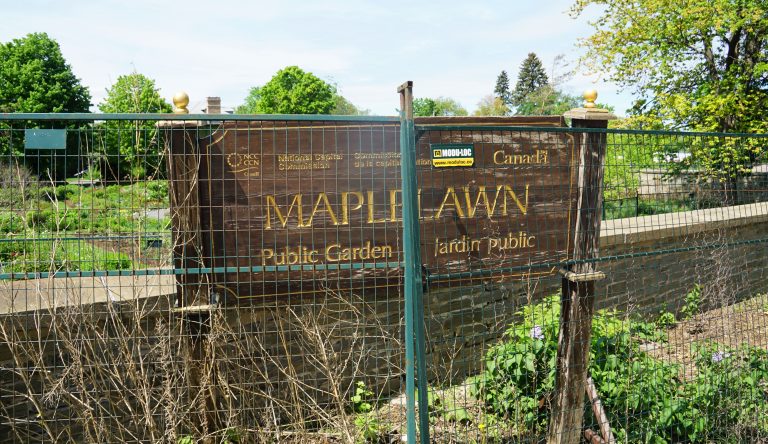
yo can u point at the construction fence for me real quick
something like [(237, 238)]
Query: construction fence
[(233, 279)]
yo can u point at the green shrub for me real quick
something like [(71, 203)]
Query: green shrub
[(46, 193), (41, 219), (521, 371), (73, 220), (666, 320), (362, 398), (11, 223), (59, 193), (157, 190), (67, 192), (369, 429)]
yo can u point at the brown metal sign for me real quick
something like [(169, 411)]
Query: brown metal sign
[(287, 208)]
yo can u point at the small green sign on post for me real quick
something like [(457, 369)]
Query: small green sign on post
[(45, 139)]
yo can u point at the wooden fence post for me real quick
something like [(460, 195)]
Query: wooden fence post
[(579, 279), (194, 309)]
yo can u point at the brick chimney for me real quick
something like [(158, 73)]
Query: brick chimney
[(213, 105)]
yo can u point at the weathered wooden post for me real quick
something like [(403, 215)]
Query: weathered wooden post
[(579, 279), (194, 309)]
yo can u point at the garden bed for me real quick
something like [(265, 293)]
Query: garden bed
[(703, 379)]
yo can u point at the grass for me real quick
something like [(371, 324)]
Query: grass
[(43, 254)]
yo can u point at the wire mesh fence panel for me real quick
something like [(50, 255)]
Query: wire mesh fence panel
[(188, 280), (239, 279), (678, 338)]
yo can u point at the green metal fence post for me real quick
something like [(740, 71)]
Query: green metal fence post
[(414, 309)]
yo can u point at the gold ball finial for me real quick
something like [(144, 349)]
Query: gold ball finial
[(590, 96), (180, 102)]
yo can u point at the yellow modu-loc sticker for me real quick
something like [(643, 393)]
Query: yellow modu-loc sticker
[(447, 155)]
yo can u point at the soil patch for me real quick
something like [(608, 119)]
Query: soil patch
[(745, 322)]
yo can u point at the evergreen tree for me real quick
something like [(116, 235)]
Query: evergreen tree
[(502, 88), (531, 78)]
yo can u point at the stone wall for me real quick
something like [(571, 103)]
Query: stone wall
[(658, 184), (651, 282)]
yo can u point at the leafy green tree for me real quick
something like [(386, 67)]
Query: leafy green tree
[(530, 79), (441, 106), (251, 102), (501, 90), (341, 106), (292, 91), (547, 101), (35, 78), (491, 106), (132, 147), (344, 107), (692, 65)]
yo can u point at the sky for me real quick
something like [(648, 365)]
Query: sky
[(367, 48)]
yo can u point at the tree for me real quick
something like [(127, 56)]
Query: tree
[(491, 106), (341, 106), (441, 106), (502, 88), (547, 101), (344, 107), (35, 78), (131, 146), (291, 91), (251, 102), (531, 77), (692, 65)]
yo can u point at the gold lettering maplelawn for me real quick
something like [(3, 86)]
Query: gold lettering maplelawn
[(303, 210), (310, 207)]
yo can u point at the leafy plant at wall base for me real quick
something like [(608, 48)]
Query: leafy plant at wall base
[(361, 399), (520, 372), (232, 435), (692, 305), (666, 320), (368, 427)]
